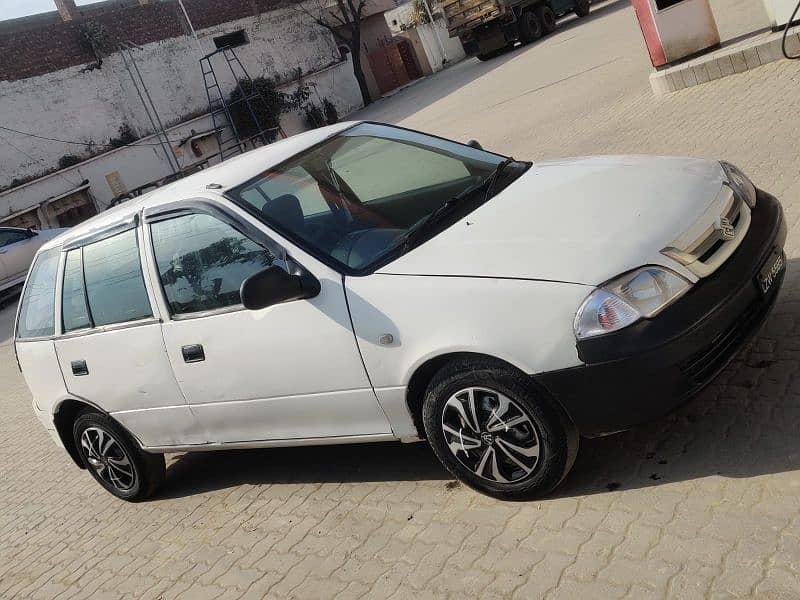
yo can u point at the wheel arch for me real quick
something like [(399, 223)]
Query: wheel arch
[(424, 373), (64, 415)]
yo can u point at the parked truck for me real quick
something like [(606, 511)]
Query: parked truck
[(487, 27)]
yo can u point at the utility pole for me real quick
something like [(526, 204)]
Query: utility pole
[(191, 27)]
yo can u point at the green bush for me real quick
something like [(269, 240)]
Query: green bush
[(259, 98)]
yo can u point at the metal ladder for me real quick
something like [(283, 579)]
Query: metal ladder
[(220, 108)]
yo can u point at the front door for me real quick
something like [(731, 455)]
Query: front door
[(287, 372)]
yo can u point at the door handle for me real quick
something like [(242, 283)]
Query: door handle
[(79, 368), (193, 353)]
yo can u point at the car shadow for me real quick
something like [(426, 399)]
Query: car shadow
[(743, 425), (195, 473)]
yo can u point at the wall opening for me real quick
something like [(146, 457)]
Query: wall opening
[(232, 39)]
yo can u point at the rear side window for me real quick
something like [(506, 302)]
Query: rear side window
[(202, 262), (37, 307), (114, 283), (74, 310)]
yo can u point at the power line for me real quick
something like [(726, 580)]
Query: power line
[(59, 173), (40, 161), (74, 143)]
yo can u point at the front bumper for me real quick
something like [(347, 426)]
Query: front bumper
[(648, 369)]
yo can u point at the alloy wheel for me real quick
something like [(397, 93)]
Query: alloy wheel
[(491, 435), (107, 457)]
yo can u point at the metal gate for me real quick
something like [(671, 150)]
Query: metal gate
[(393, 64)]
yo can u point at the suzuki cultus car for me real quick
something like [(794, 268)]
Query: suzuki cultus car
[(365, 283)]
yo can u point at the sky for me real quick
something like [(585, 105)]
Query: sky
[(11, 9)]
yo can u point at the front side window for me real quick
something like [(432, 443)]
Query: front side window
[(354, 198), (37, 307), (202, 262), (114, 283)]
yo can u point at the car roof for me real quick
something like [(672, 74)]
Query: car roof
[(223, 176)]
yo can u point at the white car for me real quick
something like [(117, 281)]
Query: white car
[(365, 283), (17, 249)]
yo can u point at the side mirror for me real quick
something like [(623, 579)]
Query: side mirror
[(273, 285), (475, 144), (30, 232)]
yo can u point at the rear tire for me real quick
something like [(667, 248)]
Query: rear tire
[(582, 8), (496, 432), (547, 18), (114, 459), (530, 28)]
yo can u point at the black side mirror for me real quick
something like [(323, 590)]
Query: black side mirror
[(475, 144), (273, 285), (30, 232)]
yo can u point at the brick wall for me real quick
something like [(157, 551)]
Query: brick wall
[(36, 46)]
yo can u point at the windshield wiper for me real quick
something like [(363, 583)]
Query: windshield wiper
[(487, 182), (495, 175)]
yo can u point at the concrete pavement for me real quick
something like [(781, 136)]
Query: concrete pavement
[(702, 504)]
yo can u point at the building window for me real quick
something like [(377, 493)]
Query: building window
[(72, 208), (231, 40)]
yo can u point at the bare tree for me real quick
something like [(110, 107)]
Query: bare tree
[(343, 19)]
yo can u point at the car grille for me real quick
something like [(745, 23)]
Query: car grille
[(708, 248), (707, 253)]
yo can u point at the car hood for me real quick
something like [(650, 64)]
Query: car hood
[(578, 220)]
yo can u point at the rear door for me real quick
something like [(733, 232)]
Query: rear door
[(110, 350)]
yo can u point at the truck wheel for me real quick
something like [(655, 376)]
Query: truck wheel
[(485, 57), (547, 18), (530, 28), (497, 433), (582, 8)]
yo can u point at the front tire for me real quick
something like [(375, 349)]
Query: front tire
[(495, 432), (115, 460)]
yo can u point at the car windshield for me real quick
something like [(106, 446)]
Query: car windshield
[(360, 195)]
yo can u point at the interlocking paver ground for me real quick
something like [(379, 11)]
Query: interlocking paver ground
[(704, 503)]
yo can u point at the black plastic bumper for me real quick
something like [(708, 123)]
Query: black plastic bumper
[(650, 368)]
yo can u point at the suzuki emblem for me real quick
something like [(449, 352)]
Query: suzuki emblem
[(725, 228)]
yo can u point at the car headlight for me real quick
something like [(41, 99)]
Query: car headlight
[(621, 302), (740, 183)]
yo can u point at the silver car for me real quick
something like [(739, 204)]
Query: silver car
[(17, 249)]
